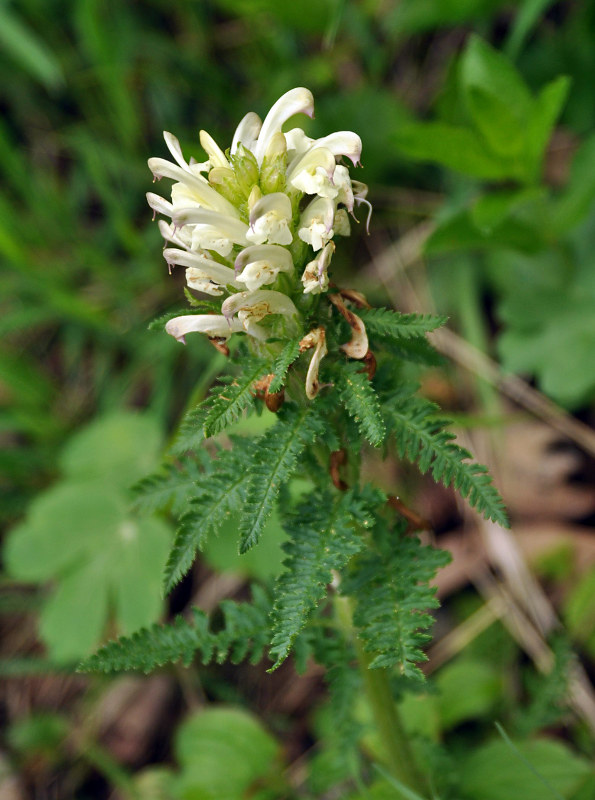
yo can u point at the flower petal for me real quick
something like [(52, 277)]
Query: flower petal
[(247, 132), (213, 325), (296, 101), (212, 269)]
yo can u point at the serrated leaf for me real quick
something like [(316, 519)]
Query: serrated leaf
[(275, 458), (322, 538), (420, 436), (227, 402), (361, 401), (244, 632), (394, 325), (392, 597), (216, 494), (282, 363), (173, 486)]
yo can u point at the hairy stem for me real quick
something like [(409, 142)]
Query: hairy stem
[(401, 760)]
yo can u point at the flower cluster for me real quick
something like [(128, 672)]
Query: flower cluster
[(254, 225)]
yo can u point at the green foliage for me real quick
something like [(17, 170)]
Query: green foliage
[(225, 752), (215, 494), (172, 487), (540, 768), (226, 403), (505, 129), (281, 364), (357, 394), (322, 538), (244, 632), (420, 436), (395, 326), (80, 535), (391, 593), (274, 461)]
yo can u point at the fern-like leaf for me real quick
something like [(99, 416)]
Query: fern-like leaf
[(227, 402), (275, 458), (392, 595), (322, 538), (421, 437), (190, 434), (282, 363), (173, 487), (216, 494), (152, 647), (244, 633), (361, 401), (393, 325)]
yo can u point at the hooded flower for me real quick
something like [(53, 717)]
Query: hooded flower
[(254, 226)]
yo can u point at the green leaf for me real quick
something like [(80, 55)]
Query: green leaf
[(421, 438), (224, 752), (227, 402), (244, 632), (541, 768), (394, 325), (467, 689), (282, 363), (454, 147), (174, 486), (275, 459), (496, 98), (120, 448), (322, 538), (392, 596), (79, 535), (543, 114), (215, 495), (361, 401)]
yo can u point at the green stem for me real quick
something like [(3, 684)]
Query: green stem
[(401, 759)]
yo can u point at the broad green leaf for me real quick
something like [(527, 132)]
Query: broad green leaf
[(496, 98), (466, 689), (541, 769), (459, 232), (454, 147), (224, 754), (79, 535), (543, 114), (120, 448)]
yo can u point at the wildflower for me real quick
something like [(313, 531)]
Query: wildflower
[(262, 214)]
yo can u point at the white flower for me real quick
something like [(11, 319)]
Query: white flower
[(211, 230), (260, 265), (312, 173), (252, 307), (270, 217), (315, 277), (214, 325), (296, 101), (316, 223)]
